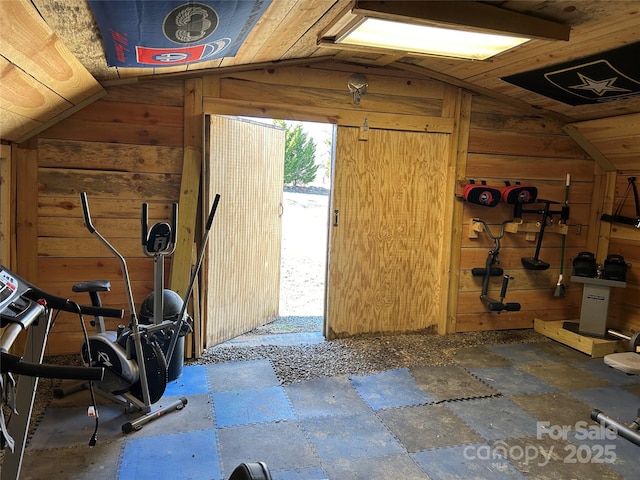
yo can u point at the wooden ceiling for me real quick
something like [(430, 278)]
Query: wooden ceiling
[(52, 61)]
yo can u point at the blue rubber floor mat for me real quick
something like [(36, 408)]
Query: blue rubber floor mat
[(192, 381), (190, 455), (465, 462), (391, 389), (241, 375), (356, 436), (512, 381), (519, 353), (283, 445), (495, 418), (325, 396), (614, 401), (249, 406), (424, 427)]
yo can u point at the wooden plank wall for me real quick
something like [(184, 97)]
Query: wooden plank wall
[(123, 150), (6, 192), (504, 146), (618, 139), (128, 148)]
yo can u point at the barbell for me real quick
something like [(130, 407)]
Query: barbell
[(633, 341)]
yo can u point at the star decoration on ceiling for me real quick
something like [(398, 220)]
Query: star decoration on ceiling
[(599, 87)]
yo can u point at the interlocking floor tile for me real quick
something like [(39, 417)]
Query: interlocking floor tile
[(427, 426), (283, 446), (310, 473), (565, 377), (519, 353), (182, 455), (494, 418), (614, 401), (70, 426), (350, 437), (464, 462), (450, 382), (244, 407), (394, 467), (325, 396), (561, 352), (592, 445), (597, 367), (390, 389), (546, 458), (192, 381), (241, 375), (100, 464), (556, 408), (512, 380), (479, 357)]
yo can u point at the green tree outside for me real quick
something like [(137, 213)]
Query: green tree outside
[(299, 156)]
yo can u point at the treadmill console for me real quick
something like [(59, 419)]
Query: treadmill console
[(14, 306)]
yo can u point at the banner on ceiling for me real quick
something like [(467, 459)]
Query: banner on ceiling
[(159, 33), (605, 77)]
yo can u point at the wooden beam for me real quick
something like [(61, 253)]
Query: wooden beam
[(61, 116), (523, 106), (574, 132), (25, 158), (5, 204), (189, 186), (460, 108), (218, 71)]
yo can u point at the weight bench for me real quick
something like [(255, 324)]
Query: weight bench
[(629, 363)]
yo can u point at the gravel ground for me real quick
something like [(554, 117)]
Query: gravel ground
[(362, 354)]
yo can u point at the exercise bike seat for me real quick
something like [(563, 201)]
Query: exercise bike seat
[(92, 286), (628, 362)]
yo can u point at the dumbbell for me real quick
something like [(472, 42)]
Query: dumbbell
[(633, 340)]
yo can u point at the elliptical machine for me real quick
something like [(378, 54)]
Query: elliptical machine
[(136, 358)]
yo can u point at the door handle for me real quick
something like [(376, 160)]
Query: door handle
[(281, 210), (335, 217)]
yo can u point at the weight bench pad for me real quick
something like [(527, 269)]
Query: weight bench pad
[(628, 362)]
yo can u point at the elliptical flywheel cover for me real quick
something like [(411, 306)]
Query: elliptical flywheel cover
[(155, 364)]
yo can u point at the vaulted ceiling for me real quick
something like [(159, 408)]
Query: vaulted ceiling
[(52, 60)]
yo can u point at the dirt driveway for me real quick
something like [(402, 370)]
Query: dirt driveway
[(304, 247)]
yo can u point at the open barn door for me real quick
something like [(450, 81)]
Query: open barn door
[(245, 164), (386, 253)]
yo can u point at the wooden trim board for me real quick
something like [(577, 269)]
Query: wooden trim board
[(595, 347)]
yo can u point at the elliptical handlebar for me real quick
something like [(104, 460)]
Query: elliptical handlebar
[(14, 364), (144, 220), (66, 305), (85, 212)]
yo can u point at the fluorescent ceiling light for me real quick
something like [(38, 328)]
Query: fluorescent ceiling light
[(377, 33), (461, 29)]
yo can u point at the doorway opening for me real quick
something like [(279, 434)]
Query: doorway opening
[(305, 216)]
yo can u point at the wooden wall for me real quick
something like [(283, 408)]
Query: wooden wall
[(505, 145), (618, 140), (5, 204), (128, 148), (123, 150)]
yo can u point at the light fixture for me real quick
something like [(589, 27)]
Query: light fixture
[(459, 29)]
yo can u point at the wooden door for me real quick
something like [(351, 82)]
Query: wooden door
[(386, 240), (245, 163)]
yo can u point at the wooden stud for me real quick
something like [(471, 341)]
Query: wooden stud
[(189, 186)]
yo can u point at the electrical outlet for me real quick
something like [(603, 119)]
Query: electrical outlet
[(578, 229)]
